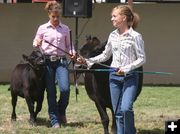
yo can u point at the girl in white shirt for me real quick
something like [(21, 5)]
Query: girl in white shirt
[(127, 48)]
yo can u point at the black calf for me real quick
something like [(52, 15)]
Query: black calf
[(27, 81), (97, 83)]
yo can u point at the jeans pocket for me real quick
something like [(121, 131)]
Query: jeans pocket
[(114, 76)]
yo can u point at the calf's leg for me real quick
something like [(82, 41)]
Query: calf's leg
[(113, 127), (13, 102), (30, 103), (31, 110), (38, 107), (91, 89), (104, 116)]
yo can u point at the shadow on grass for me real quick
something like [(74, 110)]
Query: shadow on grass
[(81, 124), (46, 122), (153, 131), (43, 122), (75, 124)]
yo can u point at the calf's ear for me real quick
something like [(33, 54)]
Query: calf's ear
[(25, 57)]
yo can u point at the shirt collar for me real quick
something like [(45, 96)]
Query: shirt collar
[(50, 25), (127, 32)]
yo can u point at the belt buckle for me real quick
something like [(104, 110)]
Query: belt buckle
[(53, 58)]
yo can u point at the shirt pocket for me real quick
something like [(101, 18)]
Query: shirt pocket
[(126, 46), (48, 37), (115, 45)]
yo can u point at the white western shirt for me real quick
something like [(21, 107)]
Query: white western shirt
[(127, 50)]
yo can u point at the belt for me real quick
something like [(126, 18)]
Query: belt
[(53, 58)]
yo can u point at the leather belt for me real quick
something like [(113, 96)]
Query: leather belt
[(54, 58)]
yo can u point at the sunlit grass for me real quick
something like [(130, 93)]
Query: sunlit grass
[(152, 108)]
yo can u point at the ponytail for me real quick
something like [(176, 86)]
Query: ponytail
[(135, 20)]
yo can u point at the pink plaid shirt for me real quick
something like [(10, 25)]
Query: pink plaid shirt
[(58, 36)]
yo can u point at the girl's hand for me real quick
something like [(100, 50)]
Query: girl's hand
[(81, 60), (37, 42), (120, 71), (73, 57)]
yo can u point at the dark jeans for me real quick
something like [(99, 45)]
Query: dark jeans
[(57, 70), (123, 93)]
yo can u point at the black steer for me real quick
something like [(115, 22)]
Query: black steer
[(27, 81), (97, 83)]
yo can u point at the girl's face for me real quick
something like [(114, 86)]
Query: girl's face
[(54, 18), (117, 18)]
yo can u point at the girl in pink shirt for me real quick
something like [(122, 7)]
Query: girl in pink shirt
[(49, 38)]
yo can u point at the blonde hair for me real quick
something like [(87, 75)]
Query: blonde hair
[(132, 17), (53, 6)]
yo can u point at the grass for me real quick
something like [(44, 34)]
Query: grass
[(154, 106)]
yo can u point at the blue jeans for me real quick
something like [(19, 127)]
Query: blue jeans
[(57, 70), (123, 93)]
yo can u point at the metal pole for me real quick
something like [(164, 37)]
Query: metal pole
[(76, 35)]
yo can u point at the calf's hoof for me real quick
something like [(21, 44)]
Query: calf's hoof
[(32, 122), (63, 120), (13, 119)]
